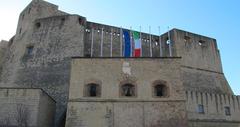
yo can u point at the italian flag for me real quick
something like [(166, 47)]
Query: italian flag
[(137, 44)]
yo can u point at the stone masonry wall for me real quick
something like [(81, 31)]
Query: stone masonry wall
[(110, 109), (48, 67), (54, 40), (25, 104), (201, 63), (57, 36), (3, 48), (126, 114), (197, 51), (94, 35), (110, 72), (196, 79), (214, 109)]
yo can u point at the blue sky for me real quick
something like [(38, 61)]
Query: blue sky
[(219, 19)]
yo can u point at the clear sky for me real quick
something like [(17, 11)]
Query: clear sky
[(219, 19)]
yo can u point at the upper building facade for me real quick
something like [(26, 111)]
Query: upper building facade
[(39, 55)]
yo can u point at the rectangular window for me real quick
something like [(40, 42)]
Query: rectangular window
[(29, 50), (200, 109), (227, 111)]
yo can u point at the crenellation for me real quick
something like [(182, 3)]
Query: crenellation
[(229, 99), (214, 108), (207, 95), (222, 102), (145, 39), (199, 97), (187, 95), (225, 98), (192, 95), (237, 98), (235, 106)]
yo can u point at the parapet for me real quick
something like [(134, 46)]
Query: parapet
[(212, 107), (197, 51)]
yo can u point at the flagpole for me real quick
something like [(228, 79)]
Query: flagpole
[(92, 42), (150, 41), (121, 41), (111, 42), (131, 48), (170, 43), (141, 39), (102, 44), (160, 42)]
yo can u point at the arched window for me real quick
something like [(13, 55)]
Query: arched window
[(160, 89), (92, 90), (128, 90)]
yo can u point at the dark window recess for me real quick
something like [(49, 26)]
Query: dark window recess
[(87, 55), (93, 90), (186, 38), (23, 16), (81, 21), (38, 25), (62, 20), (200, 109), (20, 30), (202, 43), (30, 50), (227, 111), (128, 90), (29, 10), (160, 90)]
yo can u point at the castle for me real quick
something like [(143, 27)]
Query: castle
[(61, 70)]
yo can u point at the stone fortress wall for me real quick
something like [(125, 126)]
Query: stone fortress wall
[(30, 107), (110, 108), (54, 42), (214, 109), (3, 48), (56, 36)]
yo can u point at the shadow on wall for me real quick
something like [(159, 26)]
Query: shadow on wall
[(62, 120)]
